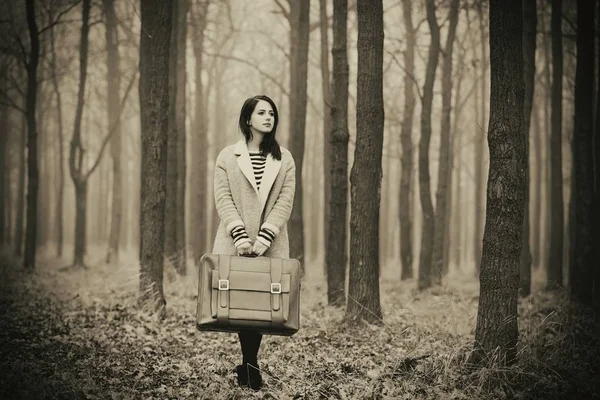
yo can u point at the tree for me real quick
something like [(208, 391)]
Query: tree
[(425, 257), (365, 175), (529, 36), (113, 80), (32, 158), (555, 278), (444, 167), (582, 263), (336, 255), (4, 195), (156, 16), (299, 35), (327, 115), (175, 206), (404, 207), (496, 332)]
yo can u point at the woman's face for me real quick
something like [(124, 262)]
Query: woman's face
[(263, 117)]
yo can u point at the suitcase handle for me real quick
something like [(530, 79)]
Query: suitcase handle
[(251, 255)]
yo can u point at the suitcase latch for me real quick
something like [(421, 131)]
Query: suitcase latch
[(276, 288), (223, 284)]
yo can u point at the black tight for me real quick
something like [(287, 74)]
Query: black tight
[(250, 341)]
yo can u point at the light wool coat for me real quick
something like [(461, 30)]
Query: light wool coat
[(240, 202)]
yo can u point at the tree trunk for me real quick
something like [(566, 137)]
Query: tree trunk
[(596, 201), (481, 135), (327, 114), (537, 192), (496, 332), (58, 214), (156, 16), (365, 176), (19, 223), (529, 36), (32, 157), (174, 223), (428, 229), (114, 127), (555, 257), (199, 143), (336, 254), (444, 167), (76, 154), (582, 184), (180, 117), (4, 171), (299, 37)]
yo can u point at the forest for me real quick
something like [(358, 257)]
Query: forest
[(445, 216)]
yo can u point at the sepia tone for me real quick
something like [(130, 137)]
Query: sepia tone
[(445, 214)]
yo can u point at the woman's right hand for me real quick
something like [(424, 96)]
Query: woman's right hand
[(244, 249)]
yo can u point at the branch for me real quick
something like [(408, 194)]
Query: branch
[(10, 102), (260, 71), (113, 129), (285, 12), (412, 78), (59, 16)]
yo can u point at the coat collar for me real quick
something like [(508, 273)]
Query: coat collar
[(272, 168)]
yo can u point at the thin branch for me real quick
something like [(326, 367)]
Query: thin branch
[(10, 102), (59, 16), (113, 128), (412, 78), (258, 69), (285, 12)]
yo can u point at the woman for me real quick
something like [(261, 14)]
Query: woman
[(254, 192)]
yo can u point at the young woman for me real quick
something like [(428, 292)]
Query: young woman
[(254, 185)]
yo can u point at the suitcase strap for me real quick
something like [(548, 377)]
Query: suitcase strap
[(276, 309), (223, 309)]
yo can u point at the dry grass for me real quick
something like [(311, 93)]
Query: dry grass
[(79, 334)]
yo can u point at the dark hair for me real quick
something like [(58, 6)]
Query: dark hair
[(269, 143)]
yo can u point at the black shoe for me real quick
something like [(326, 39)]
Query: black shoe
[(242, 375), (254, 378)]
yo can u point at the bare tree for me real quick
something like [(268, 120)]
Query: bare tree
[(529, 36), (365, 176), (299, 34), (496, 332), (336, 255), (583, 263), (156, 18), (444, 167), (555, 258), (404, 207), (425, 257), (32, 157), (113, 80), (174, 222), (327, 114)]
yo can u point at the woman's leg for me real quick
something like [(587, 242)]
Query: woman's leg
[(248, 372)]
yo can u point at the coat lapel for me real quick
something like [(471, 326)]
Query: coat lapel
[(272, 167), (244, 162)]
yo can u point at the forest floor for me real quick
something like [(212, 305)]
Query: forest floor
[(78, 334)]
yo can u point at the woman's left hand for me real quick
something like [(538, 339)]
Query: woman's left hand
[(259, 248)]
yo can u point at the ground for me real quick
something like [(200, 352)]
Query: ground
[(79, 334)]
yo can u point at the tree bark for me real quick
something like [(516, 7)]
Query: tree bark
[(336, 254), (529, 36), (428, 229), (299, 38), (32, 157), (156, 16), (199, 143), (20, 218), (174, 222), (444, 167), (58, 214), (582, 184), (496, 332), (113, 80), (555, 257), (4, 171), (327, 113), (366, 173)]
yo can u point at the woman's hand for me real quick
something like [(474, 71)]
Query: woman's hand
[(259, 248), (244, 248)]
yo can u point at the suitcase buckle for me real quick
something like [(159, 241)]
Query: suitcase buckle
[(223, 284), (276, 288)]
